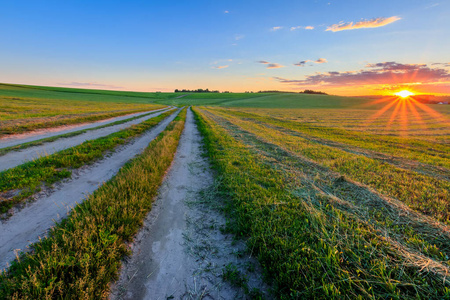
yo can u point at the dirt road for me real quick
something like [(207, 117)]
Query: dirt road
[(15, 158), (35, 135), (180, 253), (33, 221)]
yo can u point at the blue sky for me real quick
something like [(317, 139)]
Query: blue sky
[(150, 45)]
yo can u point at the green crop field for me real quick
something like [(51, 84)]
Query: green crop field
[(24, 108)]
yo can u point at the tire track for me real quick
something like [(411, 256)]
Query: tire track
[(32, 222)]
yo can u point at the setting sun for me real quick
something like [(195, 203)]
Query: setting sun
[(404, 93)]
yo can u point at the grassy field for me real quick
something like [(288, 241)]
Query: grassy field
[(82, 254), (326, 223), (27, 108)]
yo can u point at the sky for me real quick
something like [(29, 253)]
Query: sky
[(346, 47)]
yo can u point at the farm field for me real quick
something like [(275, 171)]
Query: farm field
[(263, 196), (22, 108), (367, 208)]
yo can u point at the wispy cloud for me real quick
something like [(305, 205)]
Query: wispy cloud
[(302, 27), (389, 73), (270, 65), (91, 84), (302, 63), (238, 37), (274, 66), (276, 28), (373, 23), (226, 12), (319, 61), (445, 65), (220, 67)]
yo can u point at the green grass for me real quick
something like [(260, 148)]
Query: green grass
[(428, 152), (60, 93), (311, 249), (25, 109), (421, 192), (28, 177), (83, 253), (307, 178)]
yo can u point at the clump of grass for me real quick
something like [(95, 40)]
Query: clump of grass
[(49, 169), (312, 251), (82, 254)]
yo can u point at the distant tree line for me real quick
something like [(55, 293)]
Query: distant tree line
[(304, 92), (196, 91), (270, 91), (313, 92)]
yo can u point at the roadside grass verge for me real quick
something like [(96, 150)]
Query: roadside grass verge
[(28, 178), (82, 254), (5, 150), (436, 154), (311, 250), (423, 193)]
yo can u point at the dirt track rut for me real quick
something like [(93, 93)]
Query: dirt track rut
[(180, 253), (27, 225)]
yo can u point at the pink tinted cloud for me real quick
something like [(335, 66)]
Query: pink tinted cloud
[(378, 73), (274, 66), (373, 23)]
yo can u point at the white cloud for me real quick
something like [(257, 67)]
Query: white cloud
[(302, 27), (276, 28)]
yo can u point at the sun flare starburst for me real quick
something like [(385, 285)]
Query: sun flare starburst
[(404, 93)]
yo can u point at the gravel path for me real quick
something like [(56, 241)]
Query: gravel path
[(38, 134), (180, 253), (33, 221), (15, 158)]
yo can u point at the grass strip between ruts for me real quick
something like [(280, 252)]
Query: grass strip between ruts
[(311, 251), (29, 177), (6, 130), (5, 150), (82, 254)]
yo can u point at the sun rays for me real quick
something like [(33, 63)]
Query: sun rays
[(404, 113)]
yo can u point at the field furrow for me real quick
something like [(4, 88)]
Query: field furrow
[(390, 218), (426, 152), (423, 193)]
